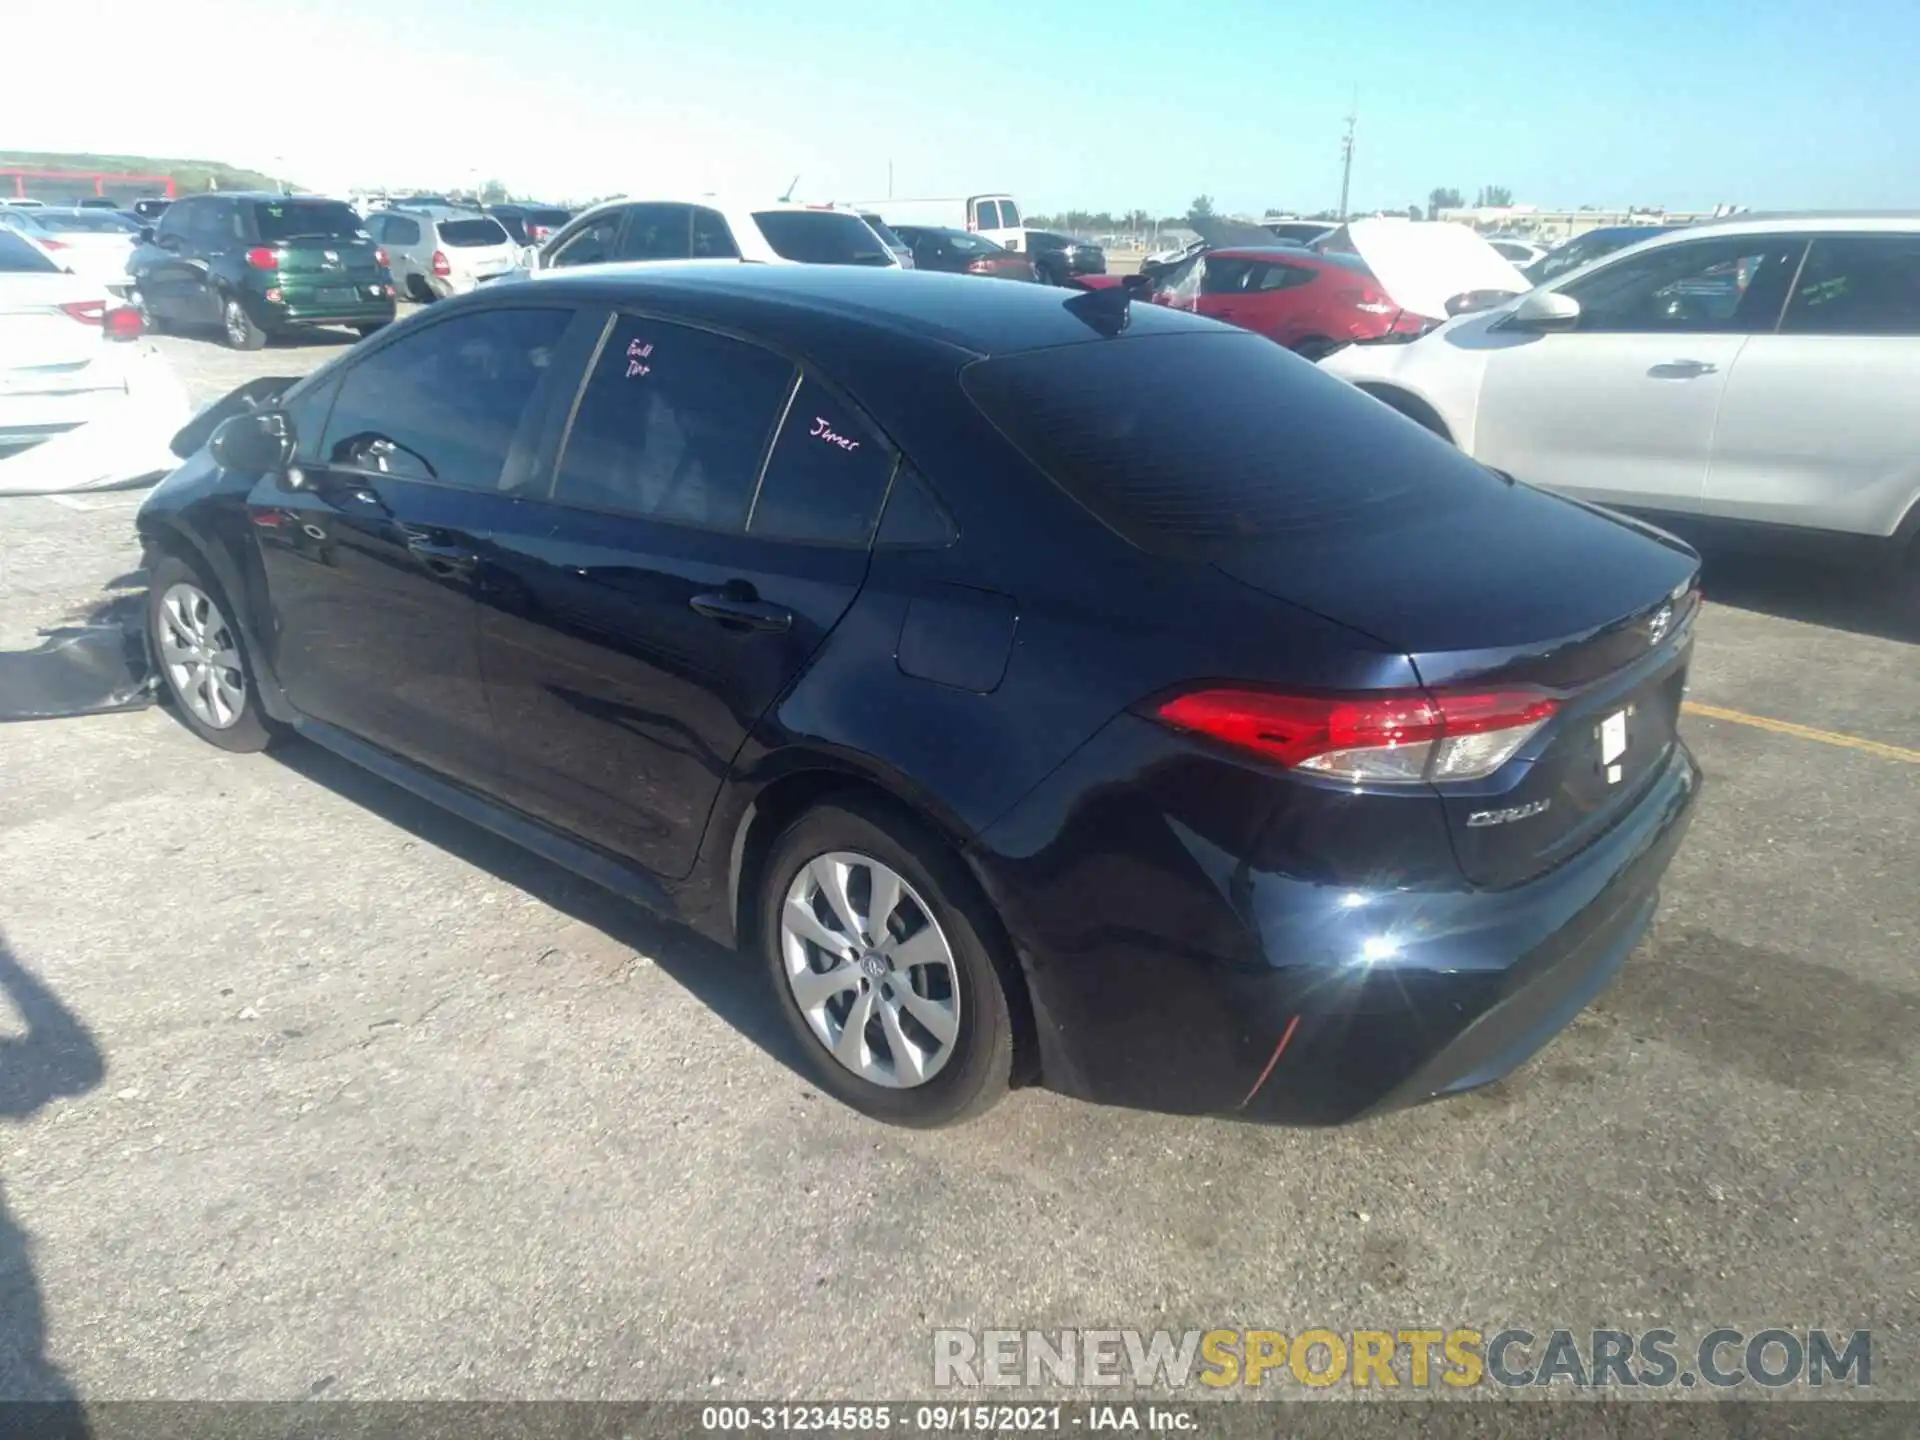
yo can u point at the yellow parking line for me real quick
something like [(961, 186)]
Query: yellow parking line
[(1805, 732)]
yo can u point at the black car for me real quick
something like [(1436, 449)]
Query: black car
[(258, 265), (961, 252), (1046, 688), (1058, 258), (530, 224)]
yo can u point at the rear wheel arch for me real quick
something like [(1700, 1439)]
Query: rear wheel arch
[(786, 799), (1409, 405)]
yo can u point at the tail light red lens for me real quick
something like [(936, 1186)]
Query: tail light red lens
[(440, 265), (54, 245), (261, 258), (537, 233), (1396, 739), (87, 312), (123, 323)]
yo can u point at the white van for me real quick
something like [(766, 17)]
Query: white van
[(994, 216)]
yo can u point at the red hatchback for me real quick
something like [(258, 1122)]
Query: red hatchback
[(1309, 302)]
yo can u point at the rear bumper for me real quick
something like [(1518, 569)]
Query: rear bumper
[(109, 425), (297, 311), (1271, 998)]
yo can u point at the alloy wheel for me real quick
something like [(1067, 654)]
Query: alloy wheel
[(201, 658), (870, 969), (236, 323)]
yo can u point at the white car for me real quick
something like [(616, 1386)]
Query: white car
[(1751, 377), (84, 403), (86, 240), (708, 228), (434, 252), (1521, 252)]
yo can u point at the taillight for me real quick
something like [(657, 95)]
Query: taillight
[(87, 312), (379, 256), (261, 258), (123, 323), (440, 265), (1395, 739), (537, 233), (1375, 307), (54, 245), (980, 267)]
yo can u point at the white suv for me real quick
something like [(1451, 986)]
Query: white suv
[(707, 228), (1755, 376), (435, 252)]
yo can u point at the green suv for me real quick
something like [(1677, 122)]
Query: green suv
[(257, 265)]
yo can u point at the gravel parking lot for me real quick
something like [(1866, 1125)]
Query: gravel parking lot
[(311, 1089)]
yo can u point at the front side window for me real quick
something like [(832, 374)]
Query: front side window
[(1857, 285), (591, 244), (657, 232), (443, 403), (826, 477), (673, 425), (1224, 276), (1731, 285)]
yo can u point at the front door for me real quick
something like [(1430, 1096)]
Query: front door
[(1621, 409), (687, 562), (370, 560)]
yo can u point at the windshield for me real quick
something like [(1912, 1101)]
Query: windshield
[(17, 257), (465, 234), (306, 220), (821, 237)]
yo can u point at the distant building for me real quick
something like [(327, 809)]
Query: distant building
[(1539, 223)]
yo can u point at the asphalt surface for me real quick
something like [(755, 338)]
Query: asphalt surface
[(309, 1089)]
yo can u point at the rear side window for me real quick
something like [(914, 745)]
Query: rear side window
[(443, 403), (1280, 277), (657, 232), (712, 240), (827, 475), (1224, 276), (1859, 285), (673, 425), (821, 237), (17, 257), (305, 220), (1181, 441), (466, 234)]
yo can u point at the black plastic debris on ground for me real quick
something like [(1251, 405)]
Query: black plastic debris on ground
[(81, 670)]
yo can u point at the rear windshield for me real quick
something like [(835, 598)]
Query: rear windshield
[(551, 218), (306, 220), (17, 257), (467, 233), (821, 237), (91, 222), (1184, 442)]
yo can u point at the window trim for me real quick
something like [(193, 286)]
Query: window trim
[(803, 370)]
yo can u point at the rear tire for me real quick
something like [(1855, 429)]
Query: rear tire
[(238, 327), (419, 291), (935, 1039), (202, 661)]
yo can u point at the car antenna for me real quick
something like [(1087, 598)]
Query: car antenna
[(790, 189), (1108, 310)]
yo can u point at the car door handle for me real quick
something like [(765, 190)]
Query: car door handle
[(743, 611), (445, 560), (1682, 369)]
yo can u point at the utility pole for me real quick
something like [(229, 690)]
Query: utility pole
[(1346, 153)]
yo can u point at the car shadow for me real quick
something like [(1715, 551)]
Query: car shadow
[(54, 1057), (728, 982), (1860, 600)]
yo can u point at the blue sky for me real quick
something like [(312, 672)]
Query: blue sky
[(1064, 103)]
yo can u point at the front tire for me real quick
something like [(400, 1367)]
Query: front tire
[(201, 659), (876, 942), (238, 327)]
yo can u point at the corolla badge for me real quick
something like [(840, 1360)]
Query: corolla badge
[(1480, 818), (1657, 627)]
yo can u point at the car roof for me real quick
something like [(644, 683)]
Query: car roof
[(786, 304)]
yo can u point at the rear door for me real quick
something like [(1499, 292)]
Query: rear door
[(370, 562), (1621, 409), (705, 526), (1819, 426), (326, 255), (171, 271)]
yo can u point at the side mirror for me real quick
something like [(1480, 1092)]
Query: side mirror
[(145, 237), (1546, 310), (1470, 302), (260, 443)]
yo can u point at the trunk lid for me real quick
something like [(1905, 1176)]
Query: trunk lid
[(1424, 263), (348, 259), (1525, 590)]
